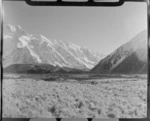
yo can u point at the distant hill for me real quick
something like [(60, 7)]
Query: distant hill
[(39, 68), (130, 58)]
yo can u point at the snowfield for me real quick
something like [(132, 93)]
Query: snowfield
[(70, 98)]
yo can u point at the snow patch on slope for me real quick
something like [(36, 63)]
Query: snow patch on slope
[(12, 28), (24, 41), (91, 62), (46, 40), (34, 55)]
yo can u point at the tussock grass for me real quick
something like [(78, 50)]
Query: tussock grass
[(97, 98)]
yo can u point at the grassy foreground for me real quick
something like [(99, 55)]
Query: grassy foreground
[(71, 98)]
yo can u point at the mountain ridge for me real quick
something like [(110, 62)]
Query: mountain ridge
[(21, 47), (129, 58)]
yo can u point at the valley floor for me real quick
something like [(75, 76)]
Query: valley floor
[(71, 98)]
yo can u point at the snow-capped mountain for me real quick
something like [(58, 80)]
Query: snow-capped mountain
[(21, 47), (129, 58)]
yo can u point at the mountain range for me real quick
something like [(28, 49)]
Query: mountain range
[(27, 53), (21, 47)]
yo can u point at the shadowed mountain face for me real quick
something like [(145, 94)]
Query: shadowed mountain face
[(130, 58), (39, 69), (23, 48)]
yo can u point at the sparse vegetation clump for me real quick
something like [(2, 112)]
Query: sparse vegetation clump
[(93, 98)]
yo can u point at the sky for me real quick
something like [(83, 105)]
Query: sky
[(101, 29)]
